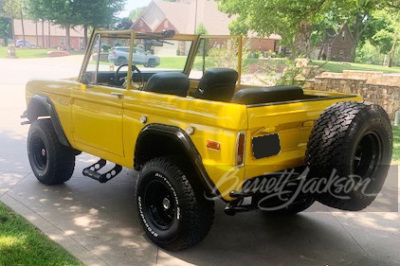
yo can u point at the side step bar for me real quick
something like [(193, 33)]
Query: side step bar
[(236, 206), (92, 171)]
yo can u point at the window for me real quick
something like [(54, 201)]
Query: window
[(343, 36), (106, 56), (150, 54), (215, 53)]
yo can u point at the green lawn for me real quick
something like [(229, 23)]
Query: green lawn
[(396, 144), (338, 67), (22, 244), (26, 53)]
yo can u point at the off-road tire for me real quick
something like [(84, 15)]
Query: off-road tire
[(191, 214), (353, 139), (51, 162)]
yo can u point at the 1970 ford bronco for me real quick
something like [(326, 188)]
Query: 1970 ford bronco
[(195, 132)]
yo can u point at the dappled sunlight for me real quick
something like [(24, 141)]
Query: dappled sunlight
[(89, 223), (388, 222), (7, 242), (8, 180)]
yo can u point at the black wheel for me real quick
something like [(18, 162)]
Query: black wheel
[(121, 61), (51, 162), (173, 210), (351, 141), (151, 63)]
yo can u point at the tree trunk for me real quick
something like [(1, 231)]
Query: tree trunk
[(12, 29), (392, 52), (49, 35), (68, 34), (23, 27), (85, 33), (43, 44), (302, 40), (37, 35), (357, 31)]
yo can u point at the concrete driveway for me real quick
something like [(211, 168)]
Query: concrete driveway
[(99, 225)]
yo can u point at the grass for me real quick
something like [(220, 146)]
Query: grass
[(338, 67), (26, 53), (22, 244), (396, 144)]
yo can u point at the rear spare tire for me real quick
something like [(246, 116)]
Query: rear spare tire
[(350, 147)]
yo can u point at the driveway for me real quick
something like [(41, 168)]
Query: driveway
[(98, 223)]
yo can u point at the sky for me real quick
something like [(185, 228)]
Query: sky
[(131, 5)]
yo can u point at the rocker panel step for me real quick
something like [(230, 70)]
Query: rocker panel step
[(92, 171)]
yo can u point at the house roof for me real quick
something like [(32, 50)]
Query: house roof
[(55, 30), (183, 14)]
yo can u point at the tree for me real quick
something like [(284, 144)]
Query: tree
[(389, 34), (124, 24), (99, 13), (201, 29), (303, 22), (14, 9), (5, 29), (136, 13), (36, 11), (60, 12), (293, 20), (69, 13)]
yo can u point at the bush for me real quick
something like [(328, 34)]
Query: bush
[(369, 54)]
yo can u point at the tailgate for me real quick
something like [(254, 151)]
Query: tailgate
[(277, 134)]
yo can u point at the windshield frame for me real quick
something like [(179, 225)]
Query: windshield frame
[(132, 35)]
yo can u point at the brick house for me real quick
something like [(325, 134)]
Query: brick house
[(338, 47), (53, 36), (184, 16)]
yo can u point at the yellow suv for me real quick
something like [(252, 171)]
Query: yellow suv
[(195, 132)]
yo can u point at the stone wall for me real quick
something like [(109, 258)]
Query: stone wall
[(374, 87)]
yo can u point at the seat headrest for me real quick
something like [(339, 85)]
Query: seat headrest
[(268, 95), (174, 83), (217, 85)]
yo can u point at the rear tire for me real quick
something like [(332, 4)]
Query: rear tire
[(355, 140), (51, 162), (172, 209)]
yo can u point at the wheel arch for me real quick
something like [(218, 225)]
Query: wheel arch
[(42, 106), (157, 140)]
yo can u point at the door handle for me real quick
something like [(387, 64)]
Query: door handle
[(118, 94)]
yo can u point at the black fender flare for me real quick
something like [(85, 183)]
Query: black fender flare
[(41, 105), (186, 144)]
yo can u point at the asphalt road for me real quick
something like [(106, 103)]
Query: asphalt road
[(98, 223)]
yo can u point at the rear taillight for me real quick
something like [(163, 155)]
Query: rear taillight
[(240, 149), (113, 52)]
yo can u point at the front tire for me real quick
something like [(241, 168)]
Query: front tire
[(173, 210), (51, 162)]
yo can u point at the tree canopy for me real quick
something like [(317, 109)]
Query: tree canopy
[(67, 13), (302, 23)]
